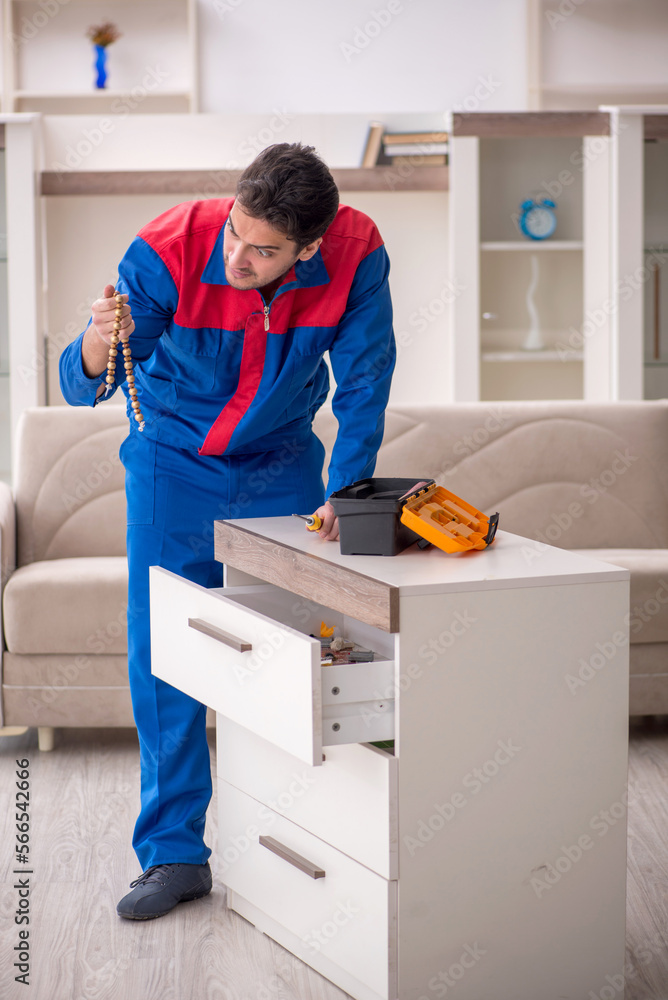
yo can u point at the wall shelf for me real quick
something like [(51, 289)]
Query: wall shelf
[(532, 245), (614, 88), (90, 95), (531, 124), (532, 356), (110, 103), (124, 182)]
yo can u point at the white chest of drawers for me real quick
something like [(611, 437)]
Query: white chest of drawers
[(488, 852)]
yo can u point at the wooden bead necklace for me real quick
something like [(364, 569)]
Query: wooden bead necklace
[(127, 362)]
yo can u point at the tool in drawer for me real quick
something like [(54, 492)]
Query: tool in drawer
[(339, 650)]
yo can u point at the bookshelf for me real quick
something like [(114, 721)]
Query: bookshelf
[(22, 354), (508, 267), (594, 165)]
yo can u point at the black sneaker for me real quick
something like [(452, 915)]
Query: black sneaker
[(161, 887)]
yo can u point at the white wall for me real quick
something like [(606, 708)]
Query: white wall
[(313, 56), (107, 141), (594, 51)]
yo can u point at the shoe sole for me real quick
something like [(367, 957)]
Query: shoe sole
[(153, 916)]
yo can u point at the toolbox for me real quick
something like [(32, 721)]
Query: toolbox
[(381, 517)]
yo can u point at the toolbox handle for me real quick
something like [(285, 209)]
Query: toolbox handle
[(493, 525)]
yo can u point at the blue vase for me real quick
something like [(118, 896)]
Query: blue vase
[(101, 66)]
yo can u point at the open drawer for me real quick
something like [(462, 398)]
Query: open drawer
[(247, 653)]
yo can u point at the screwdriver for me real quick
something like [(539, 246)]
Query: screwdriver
[(313, 522)]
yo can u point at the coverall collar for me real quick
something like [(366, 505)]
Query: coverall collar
[(303, 274)]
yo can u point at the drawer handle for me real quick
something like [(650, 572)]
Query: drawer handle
[(217, 633), (294, 859)]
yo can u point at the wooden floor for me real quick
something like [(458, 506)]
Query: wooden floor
[(84, 800)]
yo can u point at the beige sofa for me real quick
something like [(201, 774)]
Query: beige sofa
[(585, 476), (65, 658)]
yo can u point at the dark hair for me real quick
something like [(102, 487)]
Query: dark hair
[(288, 186)]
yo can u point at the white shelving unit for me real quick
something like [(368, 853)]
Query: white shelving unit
[(500, 161), (48, 58), (512, 169), (596, 291), (22, 351)]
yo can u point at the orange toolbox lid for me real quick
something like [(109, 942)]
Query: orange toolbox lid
[(447, 521)]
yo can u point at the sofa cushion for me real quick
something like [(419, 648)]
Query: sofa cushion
[(70, 482), (648, 621), (68, 606)]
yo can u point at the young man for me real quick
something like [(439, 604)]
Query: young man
[(230, 305)]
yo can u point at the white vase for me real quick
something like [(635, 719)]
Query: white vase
[(534, 338)]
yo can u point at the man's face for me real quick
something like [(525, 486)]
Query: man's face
[(255, 253)]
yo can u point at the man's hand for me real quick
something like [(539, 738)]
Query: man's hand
[(330, 522), (95, 347), (104, 314)]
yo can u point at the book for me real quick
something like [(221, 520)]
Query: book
[(417, 149), (374, 144), (403, 138), (416, 160)]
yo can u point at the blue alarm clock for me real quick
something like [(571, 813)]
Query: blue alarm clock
[(537, 219)]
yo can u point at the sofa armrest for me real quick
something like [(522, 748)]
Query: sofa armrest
[(7, 534), (7, 563)]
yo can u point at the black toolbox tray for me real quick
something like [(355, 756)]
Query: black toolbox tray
[(369, 515)]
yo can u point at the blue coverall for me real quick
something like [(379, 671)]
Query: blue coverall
[(228, 387)]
